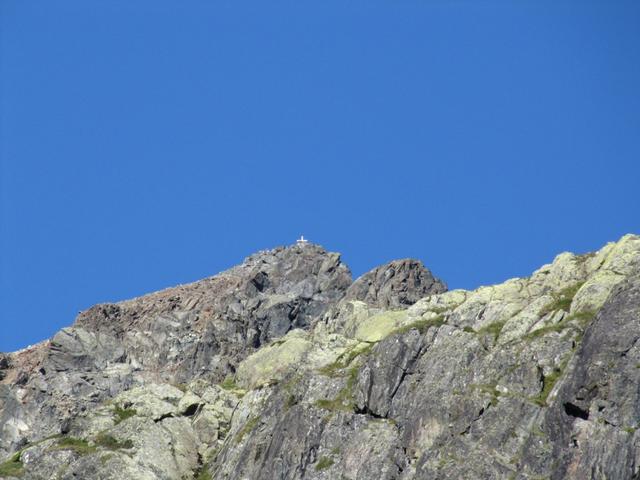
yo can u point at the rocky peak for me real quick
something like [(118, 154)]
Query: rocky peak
[(304, 276), (307, 276), (397, 284), (282, 367), (202, 329)]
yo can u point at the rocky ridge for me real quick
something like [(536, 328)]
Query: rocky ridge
[(283, 368)]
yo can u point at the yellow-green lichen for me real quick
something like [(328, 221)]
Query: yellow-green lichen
[(379, 326), (271, 363)]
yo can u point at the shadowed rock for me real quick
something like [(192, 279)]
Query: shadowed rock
[(397, 284)]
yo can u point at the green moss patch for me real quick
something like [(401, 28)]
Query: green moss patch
[(289, 390), (247, 428), (548, 382), (562, 300), (78, 445), (123, 413), (229, 383), (290, 401), (202, 474), (336, 369), (12, 467), (324, 463), (577, 322), (421, 325), (344, 401), (541, 332), (107, 441), (582, 318), (335, 405), (494, 329)]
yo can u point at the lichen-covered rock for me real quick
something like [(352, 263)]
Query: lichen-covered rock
[(596, 410), (278, 369), (153, 432), (200, 330), (271, 363)]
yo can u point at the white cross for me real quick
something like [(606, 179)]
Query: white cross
[(302, 240)]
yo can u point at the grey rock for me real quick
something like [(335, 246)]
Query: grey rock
[(4, 365), (202, 329), (597, 409), (385, 371), (397, 284), (281, 369)]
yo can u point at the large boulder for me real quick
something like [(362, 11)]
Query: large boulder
[(397, 284)]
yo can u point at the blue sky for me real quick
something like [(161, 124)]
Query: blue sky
[(149, 143)]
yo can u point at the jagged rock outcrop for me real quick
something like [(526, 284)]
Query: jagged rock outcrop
[(398, 284), (282, 368)]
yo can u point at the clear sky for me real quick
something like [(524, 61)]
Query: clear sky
[(146, 143)]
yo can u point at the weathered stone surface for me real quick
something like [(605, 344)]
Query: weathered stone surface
[(4, 365), (153, 432), (596, 410), (397, 284), (202, 329), (278, 369)]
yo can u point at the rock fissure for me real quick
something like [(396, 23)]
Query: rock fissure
[(575, 411)]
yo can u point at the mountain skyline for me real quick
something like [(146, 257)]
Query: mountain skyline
[(144, 145)]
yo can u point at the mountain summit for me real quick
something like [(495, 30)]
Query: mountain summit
[(285, 368)]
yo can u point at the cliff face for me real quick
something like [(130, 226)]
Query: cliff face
[(283, 368)]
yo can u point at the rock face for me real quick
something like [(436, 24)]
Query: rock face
[(283, 368), (201, 330), (398, 284)]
